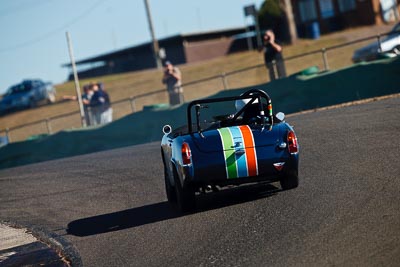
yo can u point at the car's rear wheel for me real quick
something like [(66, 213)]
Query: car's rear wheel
[(32, 103), (185, 195), (169, 189), (290, 180)]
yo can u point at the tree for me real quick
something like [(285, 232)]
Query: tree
[(278, 16), (286, 6)]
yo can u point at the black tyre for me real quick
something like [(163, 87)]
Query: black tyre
[(185, 195), (169, 189), (32, 103), (290, 180)]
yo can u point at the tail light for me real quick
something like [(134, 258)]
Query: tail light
[(292, 143), (186, 154)]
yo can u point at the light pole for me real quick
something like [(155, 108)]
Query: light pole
[(153, 38), (77, 88)]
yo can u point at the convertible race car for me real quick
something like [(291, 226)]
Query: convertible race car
[(228, 141)]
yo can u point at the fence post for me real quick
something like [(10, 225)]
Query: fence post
[(274, 70), (8, 135), (379, 43), (133, 104), (224, 81), (48, 125), (325, 58)]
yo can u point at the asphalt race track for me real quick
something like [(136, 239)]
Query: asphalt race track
[(113, 208)]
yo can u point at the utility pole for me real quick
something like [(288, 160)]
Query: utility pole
[(251, 10), (77, 88), (153, 38)]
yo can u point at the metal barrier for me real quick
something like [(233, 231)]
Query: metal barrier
[(130, 105)]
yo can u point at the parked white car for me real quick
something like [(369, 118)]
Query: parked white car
[(390, 47)]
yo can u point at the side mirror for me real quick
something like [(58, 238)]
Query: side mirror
[(167, 129), (280, 116)]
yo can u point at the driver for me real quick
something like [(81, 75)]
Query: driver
[(252, 112)]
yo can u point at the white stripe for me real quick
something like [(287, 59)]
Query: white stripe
[(14, 237)]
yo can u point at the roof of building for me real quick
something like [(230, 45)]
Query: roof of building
[(189, 37)]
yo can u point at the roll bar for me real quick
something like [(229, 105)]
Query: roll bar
[(253, 94)]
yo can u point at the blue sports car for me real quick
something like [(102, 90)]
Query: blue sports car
[(228, 141)]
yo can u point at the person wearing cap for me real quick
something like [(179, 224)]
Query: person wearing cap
[(172, 78)]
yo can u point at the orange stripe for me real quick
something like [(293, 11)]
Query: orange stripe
[(250, 150)]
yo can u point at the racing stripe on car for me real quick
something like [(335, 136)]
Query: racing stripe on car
[(229, 153), (250, 148), (240, 152)]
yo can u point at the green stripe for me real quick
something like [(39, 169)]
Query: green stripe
[(229, 153)]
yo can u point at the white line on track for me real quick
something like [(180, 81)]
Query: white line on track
[(13, 237)]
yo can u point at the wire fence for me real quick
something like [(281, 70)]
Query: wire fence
[(224, 81)]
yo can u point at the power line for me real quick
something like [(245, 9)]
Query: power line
[(23, 7), (55, 31)]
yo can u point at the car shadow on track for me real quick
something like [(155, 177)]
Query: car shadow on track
[(235, 195), (161, 211), (122, 219)]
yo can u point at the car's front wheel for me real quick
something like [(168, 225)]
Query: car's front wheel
[(396, 50), (185, 195), (290, 180)]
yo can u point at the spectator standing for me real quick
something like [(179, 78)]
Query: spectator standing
[(86, 97), (100, 105), (273, 56), (173, 80)]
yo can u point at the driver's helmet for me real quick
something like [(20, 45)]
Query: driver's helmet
[(240, 103), (252, 111)]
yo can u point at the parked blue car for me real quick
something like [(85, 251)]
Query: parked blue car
[(228, 141), (27, 94)]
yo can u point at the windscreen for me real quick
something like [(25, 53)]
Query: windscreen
[(20, 88), (209, 114)]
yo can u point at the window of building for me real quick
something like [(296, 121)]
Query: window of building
[(346, 5), (326, 8), (307, 10)]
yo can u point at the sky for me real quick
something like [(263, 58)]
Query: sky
[(33, 32)]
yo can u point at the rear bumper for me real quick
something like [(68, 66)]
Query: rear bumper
[(244, 180), (216, 175)]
